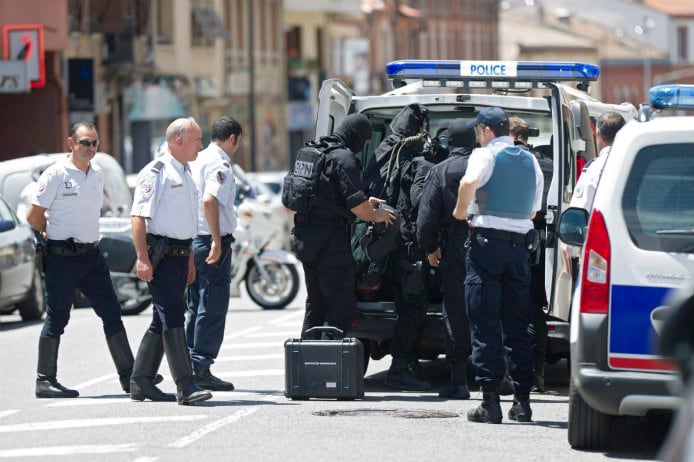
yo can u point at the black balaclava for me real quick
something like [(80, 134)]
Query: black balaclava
[(461, 136), (354, 131)]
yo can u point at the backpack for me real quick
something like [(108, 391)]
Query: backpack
[(300, 188)]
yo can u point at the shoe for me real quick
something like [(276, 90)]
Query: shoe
[(489, 411), (144, 376), (415, 367), (205, 379), (520, 411), (406, 381)]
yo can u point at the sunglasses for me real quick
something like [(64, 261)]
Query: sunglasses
[(87, 143)]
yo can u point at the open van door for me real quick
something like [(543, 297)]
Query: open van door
[(334, 100), (582, 145)]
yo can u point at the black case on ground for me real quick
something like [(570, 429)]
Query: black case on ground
[(324, 368)]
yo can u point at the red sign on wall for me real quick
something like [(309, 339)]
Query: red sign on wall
[(25, 42)]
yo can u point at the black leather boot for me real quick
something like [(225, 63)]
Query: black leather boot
[(205, 379), (520, 411), (176, 349), (487, 412), (457, 387), (401, 377), (47, 385), (122, 357), (144, 377)]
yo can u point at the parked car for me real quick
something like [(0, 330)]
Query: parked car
[(638, 250), (21, 282), (552, 97)]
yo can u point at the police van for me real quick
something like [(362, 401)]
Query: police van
[(554, 99), (638, 250)]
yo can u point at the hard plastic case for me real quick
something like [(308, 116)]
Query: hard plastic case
[(324, 368)]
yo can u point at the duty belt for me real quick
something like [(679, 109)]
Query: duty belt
[(516, 238), (172, 247), (69, 248)]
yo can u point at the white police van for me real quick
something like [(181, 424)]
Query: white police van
[(551, 96), (639, 248)]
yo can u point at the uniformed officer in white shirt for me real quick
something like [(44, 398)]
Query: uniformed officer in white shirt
[(65, 209), (164, 221), (208, 295)]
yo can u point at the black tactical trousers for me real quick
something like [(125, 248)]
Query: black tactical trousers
[(455, 318)]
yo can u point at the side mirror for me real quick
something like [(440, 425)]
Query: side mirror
[(573, 224), (6, 225)]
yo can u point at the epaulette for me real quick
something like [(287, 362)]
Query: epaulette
[(156, 168)]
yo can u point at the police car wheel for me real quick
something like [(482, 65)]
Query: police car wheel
[(34, 305), (587, 428)]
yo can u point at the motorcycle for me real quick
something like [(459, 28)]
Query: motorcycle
[(270, 275)]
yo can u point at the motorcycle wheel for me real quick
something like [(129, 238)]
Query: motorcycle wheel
[(277, 292), (133, 295)]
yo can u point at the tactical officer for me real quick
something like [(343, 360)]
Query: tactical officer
[(505, 182), (321, 237), (442, 237), (401, 156), (208, 295), (65, 209), (164, 221)]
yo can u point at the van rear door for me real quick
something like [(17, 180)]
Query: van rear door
[(334, 100)]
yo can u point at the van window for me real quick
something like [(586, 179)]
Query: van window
[(658, 200)]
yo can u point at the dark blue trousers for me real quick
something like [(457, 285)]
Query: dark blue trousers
[(208, 303), (496, 293), (89, 273), (455, 318), (168, 287)]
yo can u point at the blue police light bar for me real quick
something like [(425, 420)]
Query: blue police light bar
[(546, 71), (672, 96)]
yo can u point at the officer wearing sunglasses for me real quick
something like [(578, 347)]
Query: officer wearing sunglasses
[(65, 209)]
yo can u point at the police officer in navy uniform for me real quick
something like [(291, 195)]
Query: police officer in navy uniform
[(164, 221), (65, 209), (442, 237), (208, 295), (502, 187), (321, 237)]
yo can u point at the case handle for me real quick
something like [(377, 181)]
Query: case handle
[(340, 333)]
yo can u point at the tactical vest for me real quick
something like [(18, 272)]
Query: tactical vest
[(510, 191), (301, 185)]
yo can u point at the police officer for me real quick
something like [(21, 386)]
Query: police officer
[(505, 183), (442, 237), (65, 209), (208, 295), (321, 237), (164, 220)]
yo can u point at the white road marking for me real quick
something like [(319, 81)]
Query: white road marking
[(286, 317), (146, 459), (209, 428), (8, 412), (85, 423), (241, 346), (275, 334), (67, 450), (242, 333), (248, 358)]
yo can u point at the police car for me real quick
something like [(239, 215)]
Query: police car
[(552, 97), (638, 249)]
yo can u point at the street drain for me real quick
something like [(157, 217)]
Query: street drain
[(401, 413)]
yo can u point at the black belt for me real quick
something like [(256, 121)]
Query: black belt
[(169, 240), (69, 248), (173, 247), (516, 238)]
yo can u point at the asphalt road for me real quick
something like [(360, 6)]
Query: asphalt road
[(256, 421)]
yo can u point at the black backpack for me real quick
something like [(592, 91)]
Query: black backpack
[(300, 191)]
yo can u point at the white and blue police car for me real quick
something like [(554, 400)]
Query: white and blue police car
[(553, 97), (638, 249)]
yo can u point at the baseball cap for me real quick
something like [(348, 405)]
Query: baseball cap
[(492, 117)]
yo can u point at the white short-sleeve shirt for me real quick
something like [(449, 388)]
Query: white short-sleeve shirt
[(213, 175), (73, 200), (481, 166), (584, 192), (167, 199)]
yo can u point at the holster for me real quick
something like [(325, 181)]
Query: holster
[(156, 249), (41, 252), (533, 241)]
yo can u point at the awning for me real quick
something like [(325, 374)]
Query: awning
[(210, 24), (156, 102)]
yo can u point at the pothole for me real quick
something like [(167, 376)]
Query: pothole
[(401, 413)]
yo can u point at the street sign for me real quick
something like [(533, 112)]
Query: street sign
[(14, 77), (25, 42)]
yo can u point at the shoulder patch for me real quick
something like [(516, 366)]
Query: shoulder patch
[(221, 176)]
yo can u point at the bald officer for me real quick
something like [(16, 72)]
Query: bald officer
[(164, 221), (65, 209)]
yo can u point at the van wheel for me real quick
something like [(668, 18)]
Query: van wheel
[(34, 305), (588, 428)]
